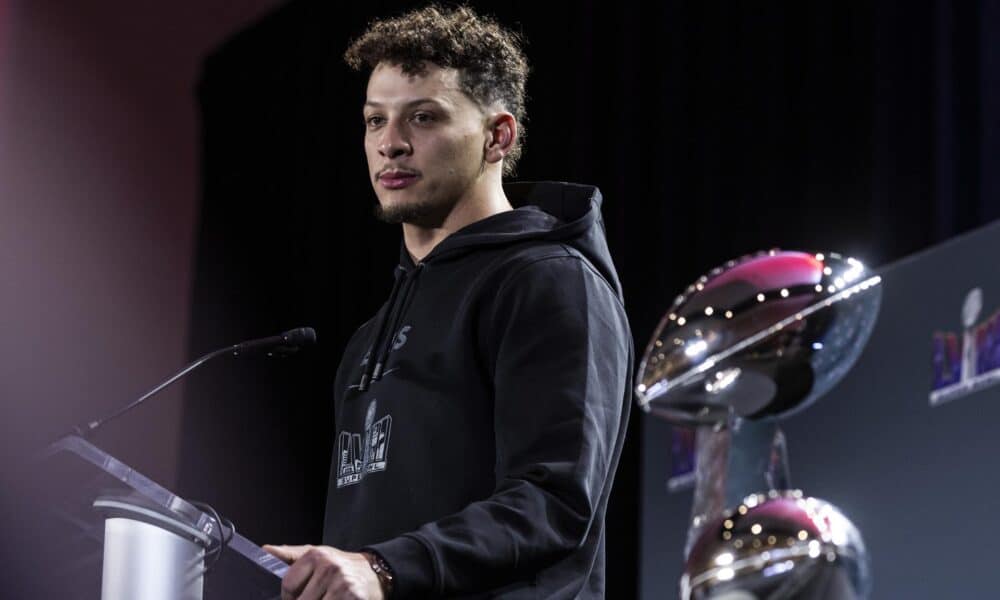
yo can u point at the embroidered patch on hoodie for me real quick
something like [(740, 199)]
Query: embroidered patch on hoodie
[(362, 456)]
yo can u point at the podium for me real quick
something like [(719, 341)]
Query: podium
[(116, 534)]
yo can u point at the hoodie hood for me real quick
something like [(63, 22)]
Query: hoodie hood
[(566, 213)]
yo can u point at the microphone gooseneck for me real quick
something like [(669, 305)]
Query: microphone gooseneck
[(282, 345)]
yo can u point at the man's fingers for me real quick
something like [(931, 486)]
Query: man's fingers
[(289, 554), (319, 581), (296, 579)]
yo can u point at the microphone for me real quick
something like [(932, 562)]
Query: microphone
[(286, 344), (282, 345)]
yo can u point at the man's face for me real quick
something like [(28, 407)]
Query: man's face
[(424, 140)]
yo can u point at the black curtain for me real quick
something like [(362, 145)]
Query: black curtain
[(713, 129)]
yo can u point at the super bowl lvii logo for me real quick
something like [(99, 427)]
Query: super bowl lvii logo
[(969, 361)]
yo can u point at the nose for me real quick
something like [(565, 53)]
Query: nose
[(394, 142)]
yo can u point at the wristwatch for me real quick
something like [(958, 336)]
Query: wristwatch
[(382, 571)]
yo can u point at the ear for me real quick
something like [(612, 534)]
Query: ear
[(500, 138)]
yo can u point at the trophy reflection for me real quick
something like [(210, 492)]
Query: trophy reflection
[(748, 344)]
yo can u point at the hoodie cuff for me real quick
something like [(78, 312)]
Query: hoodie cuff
[(411, 564)]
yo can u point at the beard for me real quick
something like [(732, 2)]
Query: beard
[(432, 210), (422, 213)]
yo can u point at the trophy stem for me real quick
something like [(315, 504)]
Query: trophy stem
[(779, 475), (732, 461), (712, 444), (758, 461)]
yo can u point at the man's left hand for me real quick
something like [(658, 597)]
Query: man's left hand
[(325, 573)]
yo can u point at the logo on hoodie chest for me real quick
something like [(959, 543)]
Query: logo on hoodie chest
[(398, 341), (361, 454)]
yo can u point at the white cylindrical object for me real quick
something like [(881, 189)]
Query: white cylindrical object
[(146, 561)]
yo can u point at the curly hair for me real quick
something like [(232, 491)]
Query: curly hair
[(490, 63)]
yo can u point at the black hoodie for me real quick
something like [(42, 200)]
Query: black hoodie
[(481, 412)]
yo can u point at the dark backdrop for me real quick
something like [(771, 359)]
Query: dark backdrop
[(713, 129)]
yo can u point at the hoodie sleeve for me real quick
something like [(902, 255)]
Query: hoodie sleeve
[(561, 349)]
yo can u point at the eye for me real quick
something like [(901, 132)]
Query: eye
[(374, 121), (423, 117)]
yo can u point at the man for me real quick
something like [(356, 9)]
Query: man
[(482, 411)]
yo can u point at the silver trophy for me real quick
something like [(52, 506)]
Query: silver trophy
[(752, 342)]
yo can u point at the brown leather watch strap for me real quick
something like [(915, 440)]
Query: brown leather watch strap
[(382, 571)]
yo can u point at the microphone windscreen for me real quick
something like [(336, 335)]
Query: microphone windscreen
[(301, 336)]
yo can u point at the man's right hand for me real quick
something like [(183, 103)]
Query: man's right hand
[(325, 573)]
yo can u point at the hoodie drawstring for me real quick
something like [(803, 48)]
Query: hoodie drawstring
[(402, 289), (405, 296), (390, 307)]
